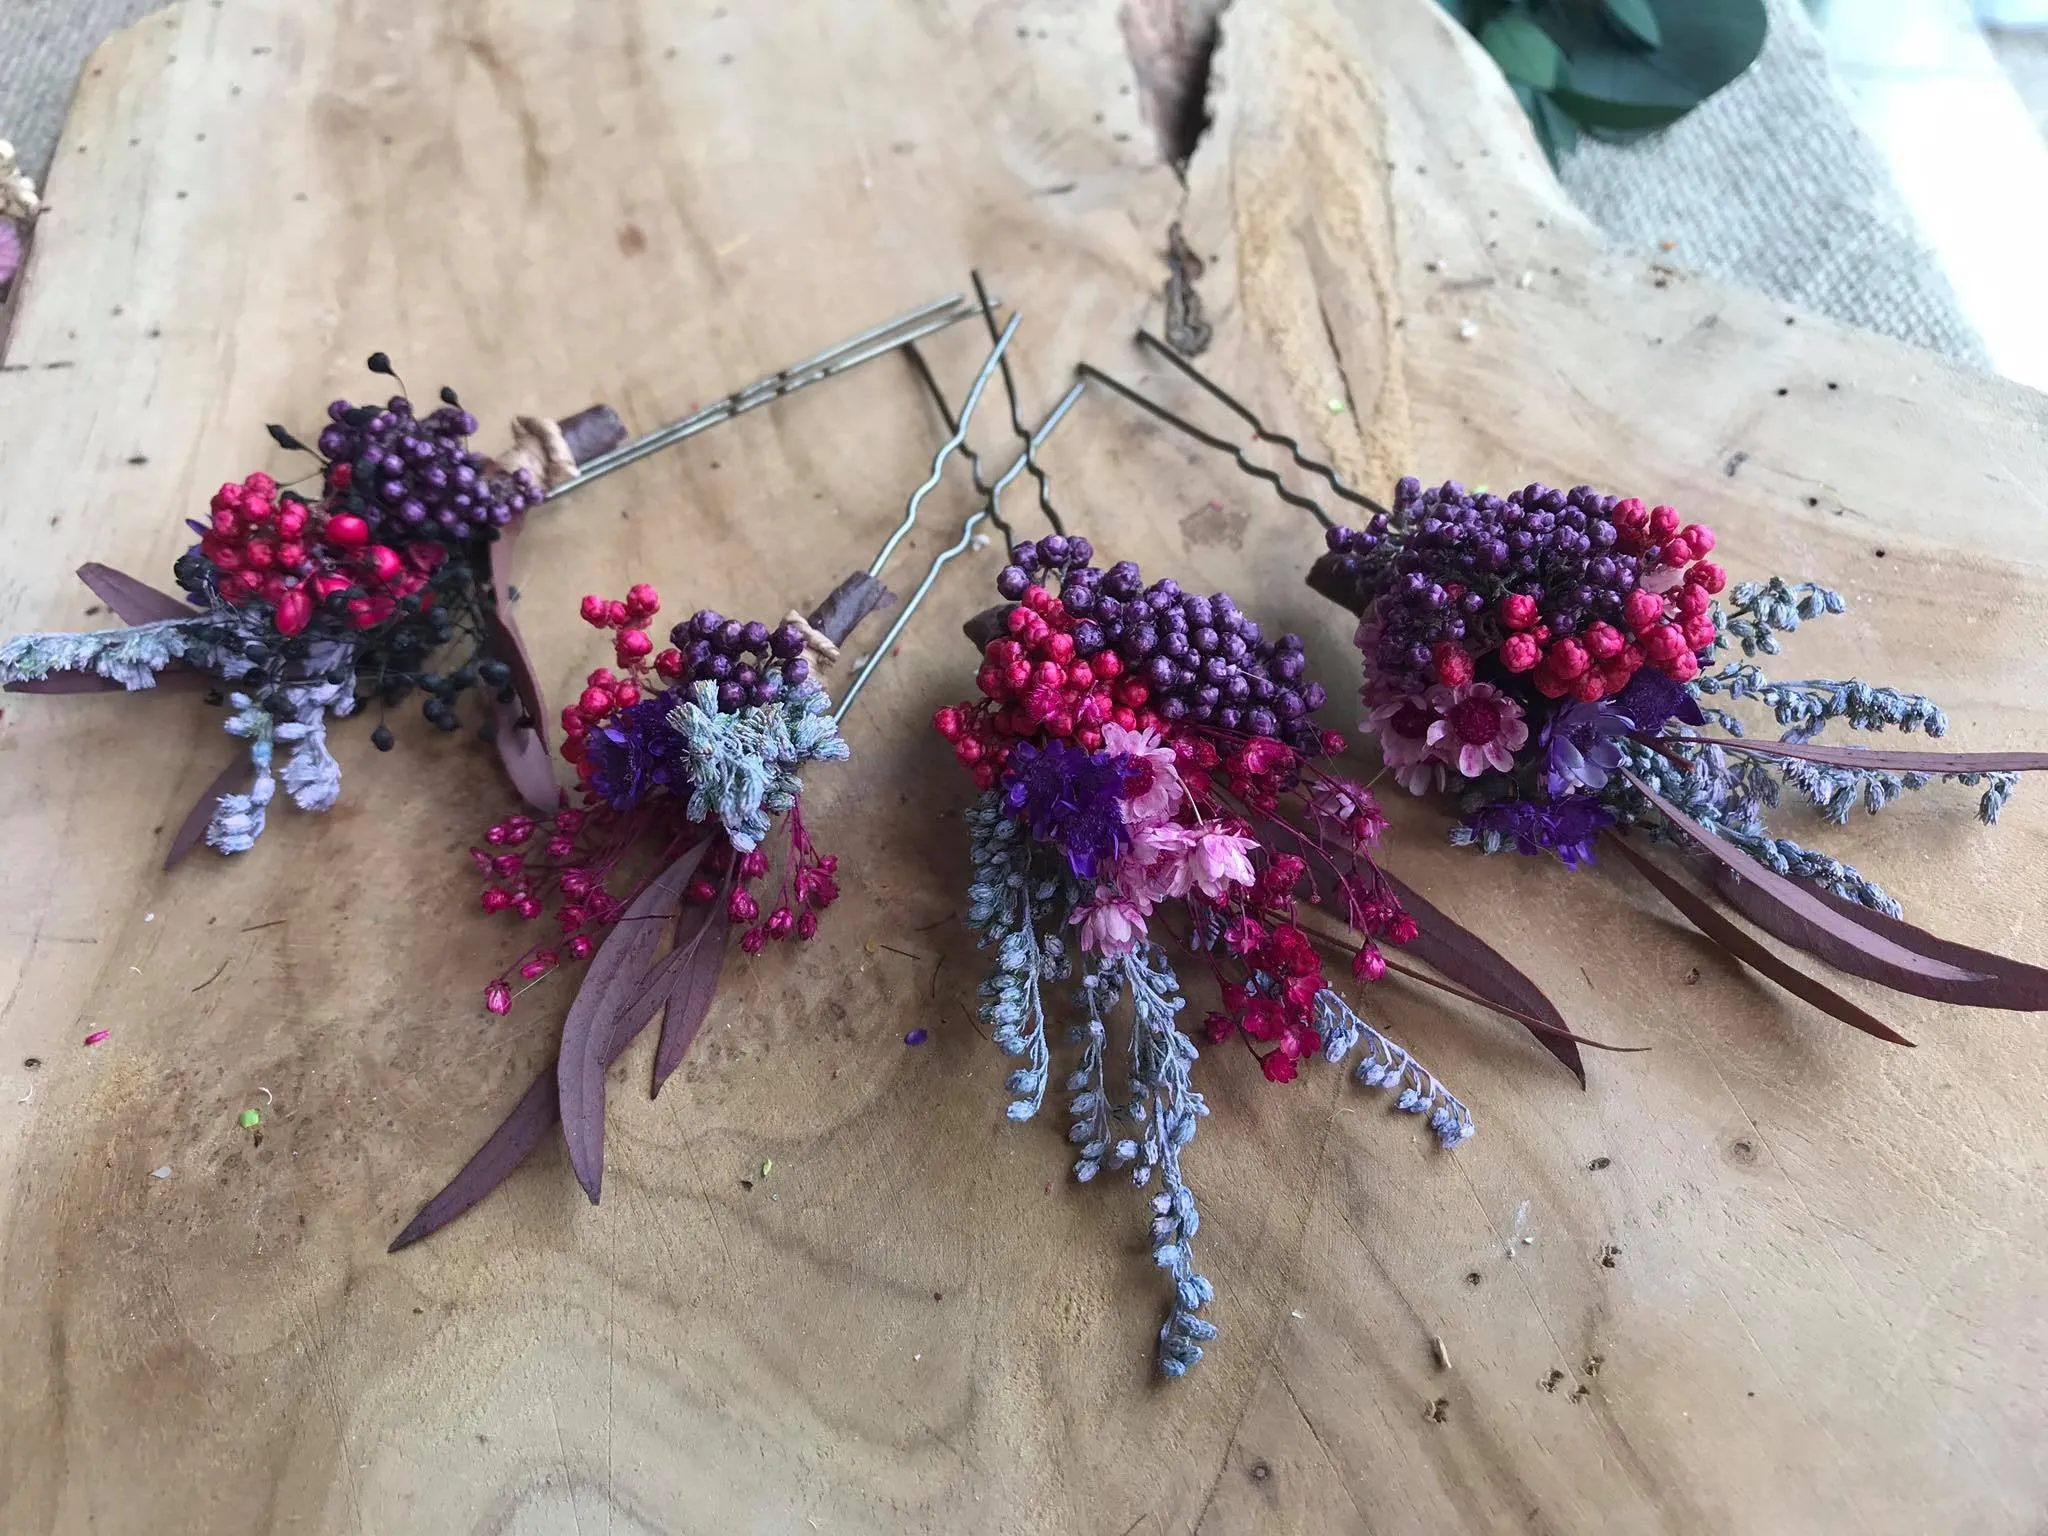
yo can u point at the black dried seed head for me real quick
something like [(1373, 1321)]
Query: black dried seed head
[(284, 439), (448, 397), (380, 363), (382, 739)]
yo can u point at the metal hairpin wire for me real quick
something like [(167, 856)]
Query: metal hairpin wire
[(1209, 439), (1260, 430), (949, 447), (988, 315), (967, 450), (874, 342), (1236, 451), (989, 508)]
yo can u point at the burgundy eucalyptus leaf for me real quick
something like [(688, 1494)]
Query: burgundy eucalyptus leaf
[(691, 988), (1884, 759), (1948, 972), (134, 602), (1701, 912), (1534, 1025), (1469, 960), (174, 677), (603, 1016), (192, 830), (526, 759), (1799, 917), (506, 643), (1461, 955), (524, 1130)]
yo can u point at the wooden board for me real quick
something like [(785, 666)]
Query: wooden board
[(1824, 1306)]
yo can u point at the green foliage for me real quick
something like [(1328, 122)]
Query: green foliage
[(1616, 69)]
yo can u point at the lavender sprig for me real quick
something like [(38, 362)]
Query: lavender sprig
[(1007, 903), (131, 657), (1802, 708), (1727, 800), (1163, 1099), (1760, 611), (1389, 1066), (1100, 991)]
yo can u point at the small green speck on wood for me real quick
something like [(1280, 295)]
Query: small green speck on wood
[(251, 1117)]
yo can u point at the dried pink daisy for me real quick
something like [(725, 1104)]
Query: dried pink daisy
[(1477, 727)]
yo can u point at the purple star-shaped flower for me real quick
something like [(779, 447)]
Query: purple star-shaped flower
[(1651, 698), (634, 753), (1070, 797), (1584, 746)]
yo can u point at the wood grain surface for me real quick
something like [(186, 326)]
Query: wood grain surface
[(1771, 1276)]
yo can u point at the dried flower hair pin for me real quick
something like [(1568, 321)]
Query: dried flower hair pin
[(1554, 663), (1157, 791), (688, 761), (388, 578)]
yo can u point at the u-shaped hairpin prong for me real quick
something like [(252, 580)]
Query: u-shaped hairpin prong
[(1236, 451), (1208, 440), (991, 508), (1260, 430), (949, 447), (967, 449), (1024, 433)]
